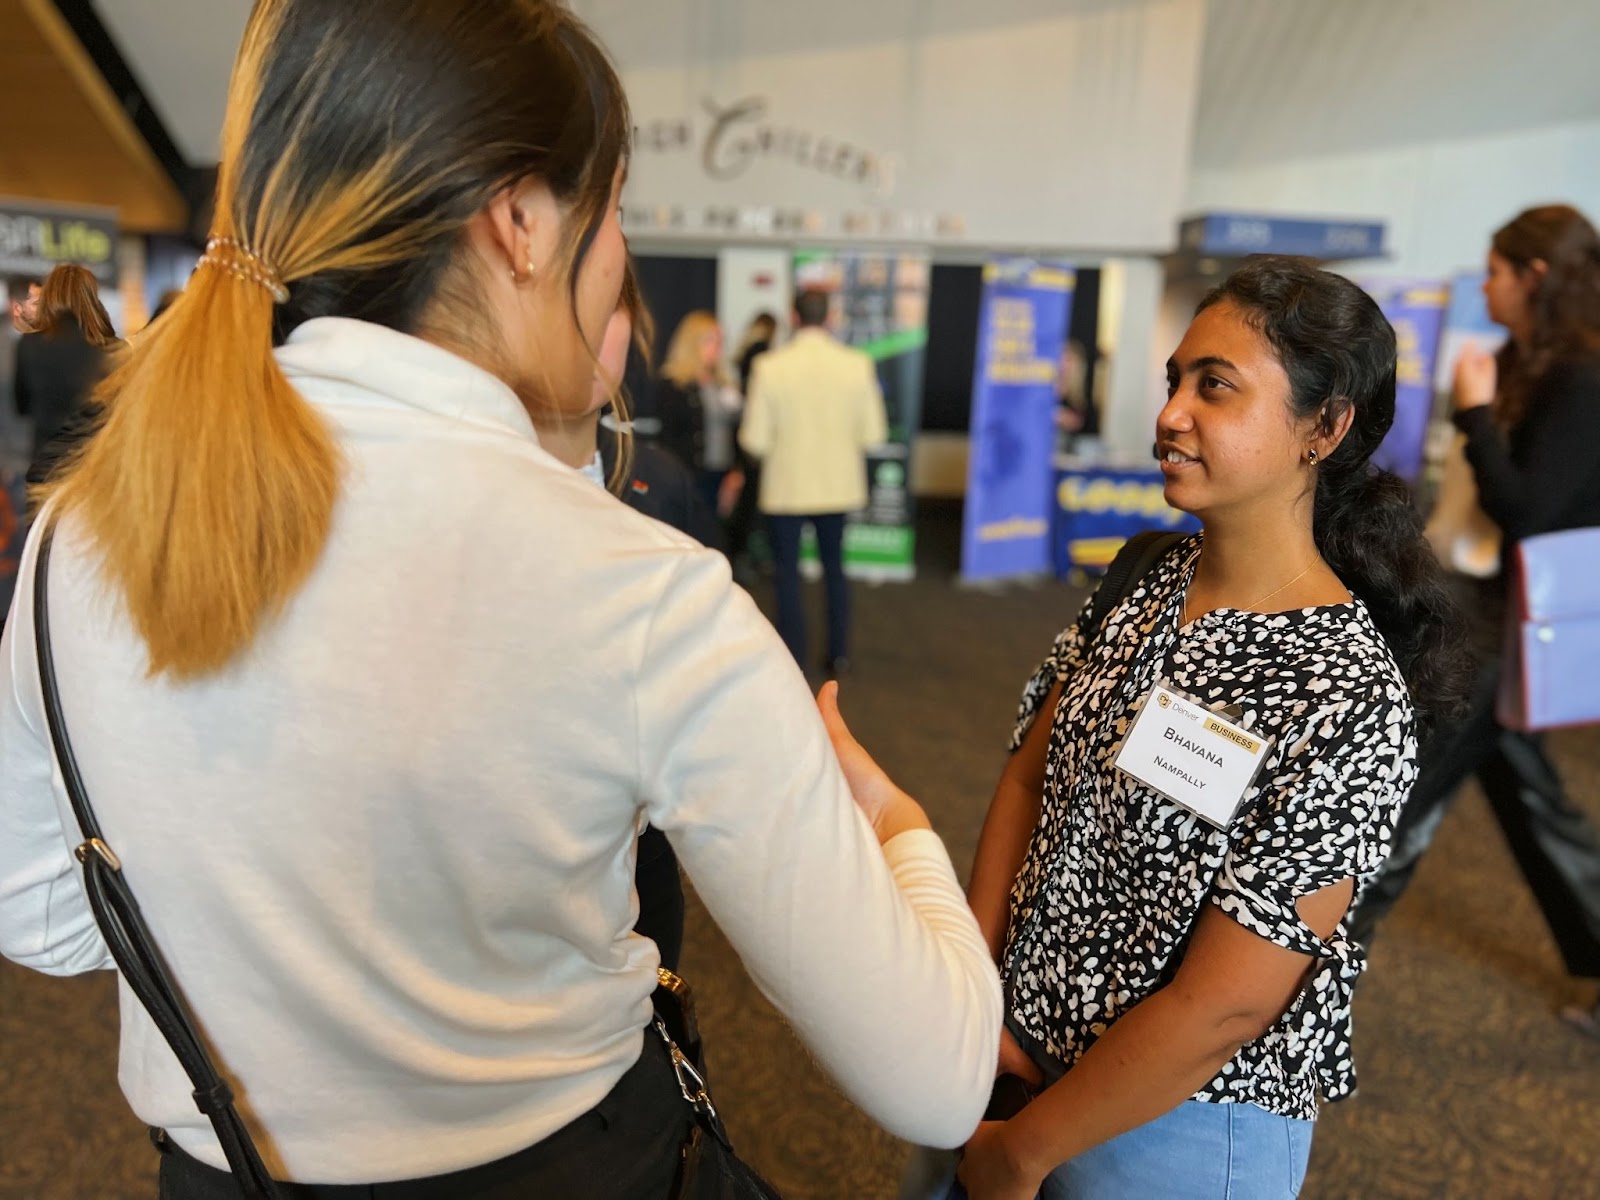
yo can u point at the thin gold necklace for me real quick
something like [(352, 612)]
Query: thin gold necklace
[(1255, 604)]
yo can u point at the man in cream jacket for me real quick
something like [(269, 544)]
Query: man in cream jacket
[(813, 410)]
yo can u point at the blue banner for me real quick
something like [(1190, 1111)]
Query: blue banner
[(1099, 508), (1417, 312), (1236, 235), (1022, 329)]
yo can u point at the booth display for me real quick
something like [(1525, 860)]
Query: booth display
[(1022, 327), (1099, 507), (881, 307)]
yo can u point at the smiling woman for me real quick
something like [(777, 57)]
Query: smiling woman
[(1174, 942)]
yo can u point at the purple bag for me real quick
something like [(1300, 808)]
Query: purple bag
[(1550, 673)]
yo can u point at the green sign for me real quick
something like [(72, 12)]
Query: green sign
[(37, 238)]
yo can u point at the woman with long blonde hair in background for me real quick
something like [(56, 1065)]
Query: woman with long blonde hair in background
[(59, 363), (372, 694), (697, 404)]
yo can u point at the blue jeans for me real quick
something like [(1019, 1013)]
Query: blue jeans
[(785, 532), (1198, 1151)]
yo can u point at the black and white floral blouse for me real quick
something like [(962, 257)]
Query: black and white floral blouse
[(1116, 875)]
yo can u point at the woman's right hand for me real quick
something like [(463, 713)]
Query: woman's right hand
[(1475, 379), (1014, 1060), (890, 810)]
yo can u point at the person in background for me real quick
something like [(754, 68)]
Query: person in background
[(697, 406), (1179, 985), (59, 363), (814, 409), (1077, 413), (22, 302), (22, 306), (373, 694), (758, 339), (1532, 422)]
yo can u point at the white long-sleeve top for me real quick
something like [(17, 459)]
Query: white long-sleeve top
[(389, 853)]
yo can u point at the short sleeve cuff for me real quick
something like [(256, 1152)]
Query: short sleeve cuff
[(1266, 907)]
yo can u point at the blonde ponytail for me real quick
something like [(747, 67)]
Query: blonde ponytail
[(209, 489), (359, 141), (210, 486)]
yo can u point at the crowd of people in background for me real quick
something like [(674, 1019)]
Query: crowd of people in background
[(788, 444)]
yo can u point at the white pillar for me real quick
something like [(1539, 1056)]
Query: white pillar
[(751, 280), (1132, 325)]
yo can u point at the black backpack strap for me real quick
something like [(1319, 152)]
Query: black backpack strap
[(122, 925), (1132, 563)]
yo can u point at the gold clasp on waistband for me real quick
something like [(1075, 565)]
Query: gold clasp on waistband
[(96, 846)]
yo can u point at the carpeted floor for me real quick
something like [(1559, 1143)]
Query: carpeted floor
[(1470, 1087)]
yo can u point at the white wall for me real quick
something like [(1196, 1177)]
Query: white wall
[(1064, 133), (751, 281), (1442, 200)]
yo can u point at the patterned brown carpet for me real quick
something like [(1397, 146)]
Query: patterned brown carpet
[(1470, 1087)]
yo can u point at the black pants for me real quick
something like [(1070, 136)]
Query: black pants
[(625, 1148), (742, 521), (660, 888), (786, 530), (1555, 845)]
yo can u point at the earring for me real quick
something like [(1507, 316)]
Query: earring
[(515, 278), (1312, 458)]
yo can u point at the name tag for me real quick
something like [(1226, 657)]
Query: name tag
[(1192, 756)]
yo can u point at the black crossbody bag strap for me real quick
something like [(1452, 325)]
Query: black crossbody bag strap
[(1132, 563), (117, 914)]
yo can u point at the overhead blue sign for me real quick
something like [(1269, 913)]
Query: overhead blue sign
[(1235, 235), (1022, 329)]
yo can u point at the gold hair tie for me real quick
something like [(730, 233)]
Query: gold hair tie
[(244, 262)]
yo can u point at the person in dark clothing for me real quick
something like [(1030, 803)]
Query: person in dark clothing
[(59, 363), (742, 521), (22, 308), (1531, 420), (1077, 414), (697, 406), (660, 487)]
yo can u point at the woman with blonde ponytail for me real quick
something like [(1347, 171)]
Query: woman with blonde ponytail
[(371, 693)]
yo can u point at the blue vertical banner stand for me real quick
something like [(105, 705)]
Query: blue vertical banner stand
[(1417, 312), (1022, 329)]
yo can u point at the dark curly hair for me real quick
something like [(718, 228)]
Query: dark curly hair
[(1338, 350), (1566, 306)]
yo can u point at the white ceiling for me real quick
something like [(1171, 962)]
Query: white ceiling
[(1281, 79), (1288, 79), (182, 53), (657, 33)]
